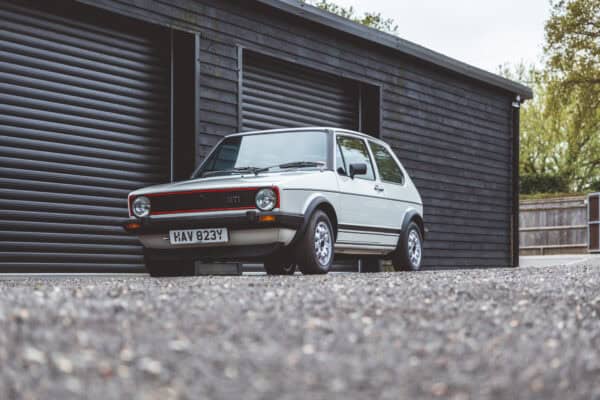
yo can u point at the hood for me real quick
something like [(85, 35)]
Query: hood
[(225, 182)]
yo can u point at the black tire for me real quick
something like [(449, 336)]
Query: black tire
[(162, 267), (370, 264), (404, 258), (309, 262), (280, 264)]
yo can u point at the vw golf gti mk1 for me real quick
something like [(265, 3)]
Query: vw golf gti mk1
[(289, 198)]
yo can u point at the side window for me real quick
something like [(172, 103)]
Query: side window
[(354, 150), (388, 168)]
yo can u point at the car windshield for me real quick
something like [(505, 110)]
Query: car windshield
[(265, 151)]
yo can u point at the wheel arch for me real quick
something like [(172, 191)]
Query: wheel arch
[(413, 216), (317, 203)]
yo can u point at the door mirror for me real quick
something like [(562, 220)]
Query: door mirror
[(358, 169)]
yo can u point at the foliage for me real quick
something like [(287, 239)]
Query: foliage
[(371, 19), (539, 147), (543, 183), (573, 46), (557, 141), (560, 127), (573, 83)]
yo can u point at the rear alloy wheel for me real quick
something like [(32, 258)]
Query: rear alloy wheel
[(315, 250), (409, 254), (279, 264)]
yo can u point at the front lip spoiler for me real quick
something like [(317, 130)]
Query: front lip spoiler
[(248, 221)]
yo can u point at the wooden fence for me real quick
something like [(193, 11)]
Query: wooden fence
[(594, 222), (553, 226)]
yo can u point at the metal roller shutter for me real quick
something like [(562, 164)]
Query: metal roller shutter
[(84, 119), (282, 95)]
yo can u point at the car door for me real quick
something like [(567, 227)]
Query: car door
[(361, 210), (392, 185)]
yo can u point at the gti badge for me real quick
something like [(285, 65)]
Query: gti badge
[(233, 199)]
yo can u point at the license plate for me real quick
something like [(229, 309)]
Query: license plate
[(195, 236)]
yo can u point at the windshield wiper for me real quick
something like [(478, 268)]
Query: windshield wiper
[(240, 170), (258, 170), (294, 164)]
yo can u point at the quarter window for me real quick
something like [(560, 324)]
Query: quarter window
[(354, 151), (386, 164), (339, 161)]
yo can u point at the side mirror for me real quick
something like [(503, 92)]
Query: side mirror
[(358, 169)]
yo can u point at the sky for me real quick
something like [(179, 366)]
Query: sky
[(483, 33)]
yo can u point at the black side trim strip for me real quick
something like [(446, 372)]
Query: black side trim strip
[(366, 244), (368, 228)]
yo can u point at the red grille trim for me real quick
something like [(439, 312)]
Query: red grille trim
[(188, 211)]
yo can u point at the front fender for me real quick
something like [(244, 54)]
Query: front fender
[(313, 202), (409, 215)]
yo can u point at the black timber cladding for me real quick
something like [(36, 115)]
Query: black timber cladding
[(453, 133), (83, 121), (315, 14)]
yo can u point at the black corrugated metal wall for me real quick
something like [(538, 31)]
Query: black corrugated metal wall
[(84, 113), (276, 94)]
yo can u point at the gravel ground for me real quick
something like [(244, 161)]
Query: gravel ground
[(502, 334)]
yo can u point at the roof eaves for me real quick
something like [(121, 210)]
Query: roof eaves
[(333, 21)]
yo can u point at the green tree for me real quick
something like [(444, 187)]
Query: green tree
[(371, 19), (560, 127), (572, 75), (573, 45), (539, 145), (559, 141)]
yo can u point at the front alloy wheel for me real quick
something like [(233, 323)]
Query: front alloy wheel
[(414, 248), (323, 243), (316, 249)]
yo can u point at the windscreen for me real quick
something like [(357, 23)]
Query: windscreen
[(266, 150)]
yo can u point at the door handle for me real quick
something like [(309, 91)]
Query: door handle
[(378, 188)]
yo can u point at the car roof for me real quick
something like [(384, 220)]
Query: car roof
[(311, 128)]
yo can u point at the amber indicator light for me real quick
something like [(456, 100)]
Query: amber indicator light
[(131, 226), (266, 218)]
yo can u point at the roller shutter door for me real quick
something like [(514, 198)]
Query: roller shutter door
[(84, 115), (282, 95)]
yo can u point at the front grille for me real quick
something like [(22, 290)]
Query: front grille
[(204, 200)]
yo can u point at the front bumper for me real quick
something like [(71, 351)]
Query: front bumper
[(249, 221), (250, 237), (237, 237)]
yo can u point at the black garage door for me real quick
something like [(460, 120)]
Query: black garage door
[(84, 115), (281, 95)]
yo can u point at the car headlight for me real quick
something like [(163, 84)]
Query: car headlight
[(141, 207), (266, 199)]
